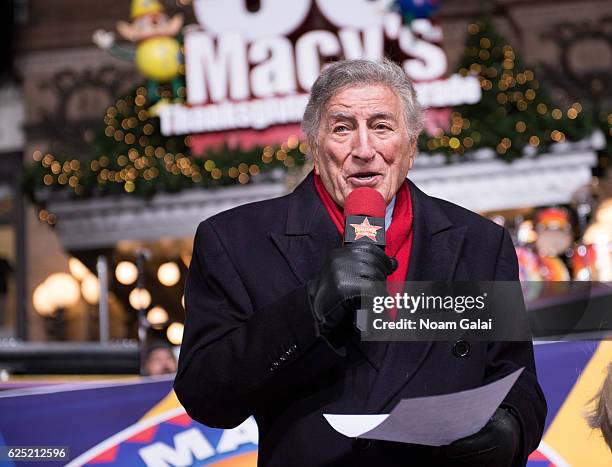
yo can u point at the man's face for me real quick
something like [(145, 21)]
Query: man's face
[(363, 141), (160, 362)]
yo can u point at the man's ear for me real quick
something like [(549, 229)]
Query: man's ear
[(316, 165), (315, 157), (413, 152)]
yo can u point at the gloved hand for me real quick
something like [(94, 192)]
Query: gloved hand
[(348, 272), (496, 445)]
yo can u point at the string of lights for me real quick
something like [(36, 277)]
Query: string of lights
[(130, 155)]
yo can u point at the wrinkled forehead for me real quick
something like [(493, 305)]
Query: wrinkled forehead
[(367, 101)]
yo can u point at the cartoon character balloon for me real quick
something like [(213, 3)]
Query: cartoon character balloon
[(157, 53)]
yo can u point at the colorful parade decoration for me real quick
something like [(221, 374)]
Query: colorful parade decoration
[(554, 231), (529, 272), (157, 52), (553, 269), (584, 263)]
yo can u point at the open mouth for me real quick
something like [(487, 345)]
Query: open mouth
[(369, 179), (364, 176)]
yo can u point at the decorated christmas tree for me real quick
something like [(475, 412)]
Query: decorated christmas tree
[(515, 112)]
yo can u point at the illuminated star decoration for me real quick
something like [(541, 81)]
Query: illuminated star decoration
[(365, 229)]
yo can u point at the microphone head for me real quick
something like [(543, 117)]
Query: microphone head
[(364, 201)]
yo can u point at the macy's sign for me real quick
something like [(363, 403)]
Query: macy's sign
[(253, 69)]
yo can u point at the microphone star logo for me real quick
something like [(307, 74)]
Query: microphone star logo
[(365, 229)]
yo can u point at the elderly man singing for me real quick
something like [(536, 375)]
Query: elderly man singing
[(270, 297)]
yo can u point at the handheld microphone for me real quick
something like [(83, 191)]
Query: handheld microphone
[(364, 216), (364, 221)]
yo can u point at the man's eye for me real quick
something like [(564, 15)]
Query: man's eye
[(382, 126), (340, 129)]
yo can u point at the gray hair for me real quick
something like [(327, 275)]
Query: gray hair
[(347, 73)]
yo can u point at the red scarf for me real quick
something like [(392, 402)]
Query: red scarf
[(398, 236)]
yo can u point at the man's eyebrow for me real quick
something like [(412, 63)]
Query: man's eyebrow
[(345, 116), (384, 115), (340, 116)]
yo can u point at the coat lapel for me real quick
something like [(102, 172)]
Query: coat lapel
[(309, 233), (435, 250)]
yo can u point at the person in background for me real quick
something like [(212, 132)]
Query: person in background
[(159, 359)]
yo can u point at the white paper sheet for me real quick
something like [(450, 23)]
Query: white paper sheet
[(433, 420)]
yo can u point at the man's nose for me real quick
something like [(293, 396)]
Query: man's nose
[(362, 145)]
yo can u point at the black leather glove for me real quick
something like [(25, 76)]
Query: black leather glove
[(496, 445), (349, 273)]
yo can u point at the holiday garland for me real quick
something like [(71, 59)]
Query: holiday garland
[(130, 155)]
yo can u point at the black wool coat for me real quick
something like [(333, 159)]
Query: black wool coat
[(251, 347)]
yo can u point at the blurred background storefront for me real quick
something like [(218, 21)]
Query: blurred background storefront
[(110, 163)]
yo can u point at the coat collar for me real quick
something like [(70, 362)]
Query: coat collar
[(436, 243), (306, 213), (309, 232)]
